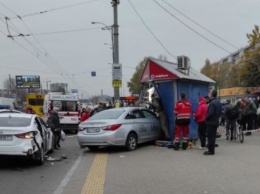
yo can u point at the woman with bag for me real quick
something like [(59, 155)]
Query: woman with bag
[(55, 120)]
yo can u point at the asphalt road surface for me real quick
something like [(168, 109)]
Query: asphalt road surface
[(24, 177), (150, 169)]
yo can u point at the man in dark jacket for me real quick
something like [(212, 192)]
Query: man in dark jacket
[(231, 114), (212, 121), (55, 120)]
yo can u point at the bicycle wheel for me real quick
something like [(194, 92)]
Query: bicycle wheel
[(241, 134)]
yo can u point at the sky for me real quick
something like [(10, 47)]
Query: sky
[(64, 47)]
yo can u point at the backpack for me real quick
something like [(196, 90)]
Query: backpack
[(232, 112)]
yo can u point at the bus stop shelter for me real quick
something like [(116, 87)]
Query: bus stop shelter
[(170, 79)]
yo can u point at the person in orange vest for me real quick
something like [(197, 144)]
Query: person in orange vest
[(182, 113)]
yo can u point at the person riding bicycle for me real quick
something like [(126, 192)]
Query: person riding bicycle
[(231, 114)]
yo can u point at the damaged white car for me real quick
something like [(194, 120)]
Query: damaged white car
[(25, 135)]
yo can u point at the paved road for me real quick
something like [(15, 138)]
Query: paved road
[(23, 177), (150, 169)]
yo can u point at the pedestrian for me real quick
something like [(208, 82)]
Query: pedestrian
[(206, 99), (85, 114), (223, 108), (29, 110), (109, 105), (231, 114), (200, 116), (55, 120), (212, 121), (182, 113), (248, 113)]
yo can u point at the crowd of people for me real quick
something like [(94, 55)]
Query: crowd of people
[(211, 114)]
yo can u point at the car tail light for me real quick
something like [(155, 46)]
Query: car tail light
[(28, 135), (111, 127), (80, 128)]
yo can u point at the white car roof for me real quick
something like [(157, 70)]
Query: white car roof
[(10, 111), (17, 115)]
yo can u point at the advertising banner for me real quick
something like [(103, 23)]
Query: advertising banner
[(28, 81)]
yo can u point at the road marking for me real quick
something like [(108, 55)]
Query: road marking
[(68, 176), (94, 183)]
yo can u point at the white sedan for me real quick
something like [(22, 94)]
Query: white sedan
[(25, 135), (128, 126)]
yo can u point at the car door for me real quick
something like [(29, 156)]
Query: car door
[(43, 132), (141, 125), (153, 125), (48, 134)]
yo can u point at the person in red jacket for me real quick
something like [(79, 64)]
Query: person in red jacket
[(182, 113), (29, 110), (200, 116), (85, 114)]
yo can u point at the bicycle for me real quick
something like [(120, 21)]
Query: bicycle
[(238, 133)]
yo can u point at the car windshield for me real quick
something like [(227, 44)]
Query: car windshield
[(14, 121), (109, 114)]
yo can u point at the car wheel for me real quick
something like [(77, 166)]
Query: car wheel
[(93, 148), (131, 142), (40, 157)]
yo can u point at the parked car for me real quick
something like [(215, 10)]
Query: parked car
[(127, 126), (25, 135)]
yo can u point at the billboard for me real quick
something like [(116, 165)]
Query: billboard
[(28, 81)]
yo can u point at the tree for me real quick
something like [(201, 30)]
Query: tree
[(9, 85), (206, 69), (250, 61), (133, 85)]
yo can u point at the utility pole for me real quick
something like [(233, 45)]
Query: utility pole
[(115, 44)]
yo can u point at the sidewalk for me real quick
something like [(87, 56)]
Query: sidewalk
[(234, 169)]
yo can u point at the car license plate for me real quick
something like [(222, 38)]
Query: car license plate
[(6, 137), (93, 130)]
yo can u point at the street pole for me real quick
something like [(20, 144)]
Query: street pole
[(115, 43)]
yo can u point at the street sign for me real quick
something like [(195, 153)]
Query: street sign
[(117, 83), (117, 72)]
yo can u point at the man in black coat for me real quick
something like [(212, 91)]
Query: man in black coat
[(55, 120), (212, 121)]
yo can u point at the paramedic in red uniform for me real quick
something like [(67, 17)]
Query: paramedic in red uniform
[(182, 113)]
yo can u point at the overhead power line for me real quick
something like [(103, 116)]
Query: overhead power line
[(200, 25), (33, 47), (192, 28), (157, 39), (7, 19), (46, 11), (56, 32)]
